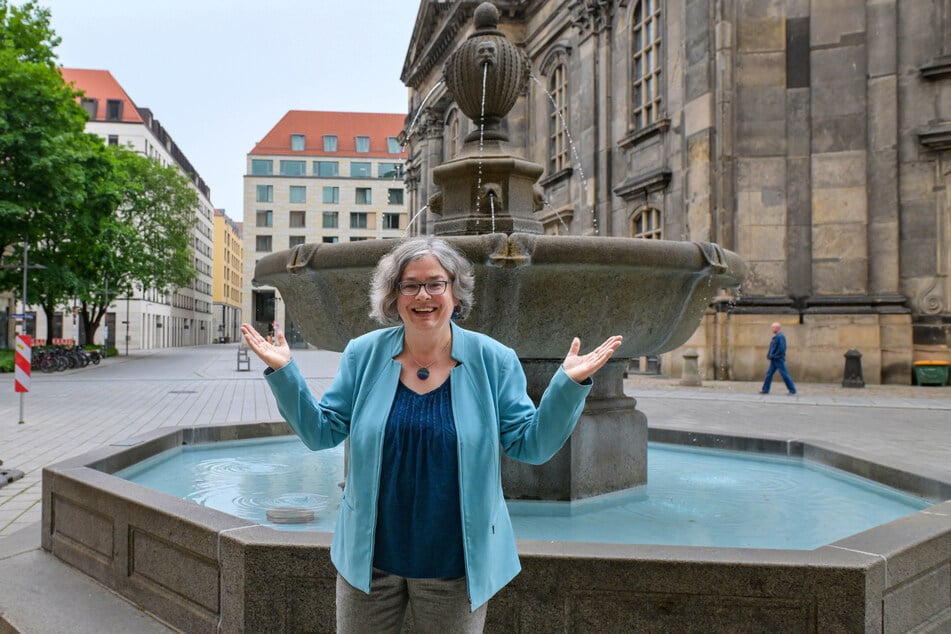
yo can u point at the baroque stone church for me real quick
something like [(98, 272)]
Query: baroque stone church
[(811, 138)]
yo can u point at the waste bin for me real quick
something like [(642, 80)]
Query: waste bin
[(931, 372)]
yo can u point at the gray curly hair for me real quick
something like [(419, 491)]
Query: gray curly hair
[(389, 271)]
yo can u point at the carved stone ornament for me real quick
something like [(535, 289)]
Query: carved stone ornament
[(487, 73), (592, 16)]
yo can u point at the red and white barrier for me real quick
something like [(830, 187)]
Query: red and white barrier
[(24, 356)]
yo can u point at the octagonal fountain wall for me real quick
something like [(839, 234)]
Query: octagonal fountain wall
[(202, 570)]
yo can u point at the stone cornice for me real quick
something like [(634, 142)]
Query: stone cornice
[(643, 184), (936, 137), (939, 68)]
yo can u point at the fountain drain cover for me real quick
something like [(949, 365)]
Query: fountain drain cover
[(290, 515)]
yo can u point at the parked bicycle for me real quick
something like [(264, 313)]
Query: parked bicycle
[(59, 358)]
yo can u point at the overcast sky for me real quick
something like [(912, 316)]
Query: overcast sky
[(218, 74)]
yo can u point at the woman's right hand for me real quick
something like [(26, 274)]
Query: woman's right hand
[(275, 355)]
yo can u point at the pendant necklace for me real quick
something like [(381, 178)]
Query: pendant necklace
[(423, 372)]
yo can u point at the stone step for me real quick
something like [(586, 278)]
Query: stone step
[(43, 595)]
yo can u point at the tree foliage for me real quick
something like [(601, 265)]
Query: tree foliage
[(39, 122), (95, 217), (145, 240)]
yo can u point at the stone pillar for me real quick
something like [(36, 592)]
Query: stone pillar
[(691, 372), (607, 451)]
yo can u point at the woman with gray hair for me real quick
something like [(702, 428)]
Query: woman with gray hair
[(427, 406)]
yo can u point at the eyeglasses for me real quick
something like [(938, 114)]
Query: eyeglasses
[(433, 287)]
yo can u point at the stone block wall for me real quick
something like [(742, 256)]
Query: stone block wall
[(734, 346)]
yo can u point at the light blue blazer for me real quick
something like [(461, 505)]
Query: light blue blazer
[(491, 409)]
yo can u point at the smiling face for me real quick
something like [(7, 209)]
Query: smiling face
[(425, 311)]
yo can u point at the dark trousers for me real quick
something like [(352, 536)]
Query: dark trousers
[(774, 365)]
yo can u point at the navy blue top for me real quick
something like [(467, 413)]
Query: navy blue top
[(777, 347), (419, 526)]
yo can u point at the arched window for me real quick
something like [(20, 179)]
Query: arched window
[(646, 224), (645, 63), (452, 125), (558, 119)]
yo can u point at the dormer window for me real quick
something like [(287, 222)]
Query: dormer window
[(297, 143), (91, 106), (330, 143), (393, 145), (363, 144), (113, 110)]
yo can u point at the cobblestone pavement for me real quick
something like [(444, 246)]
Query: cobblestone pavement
[(70, 413)]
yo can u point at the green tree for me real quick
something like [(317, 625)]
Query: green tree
[(145, 240), (64, 239), (39, 120)]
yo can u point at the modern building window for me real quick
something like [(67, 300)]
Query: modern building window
[(113, 139), (331, 195), (389, 170), (362, 144), (297, 219), (358, 220), (294, 241), (262, 167), (391, 221), (264, 194), (297, 143), (298, 194), (326, 169), (293, 168), (393, 145), (113, 110), (359, 169), (330, 239), (363, 196), (331, 220), (264, 218), (394, 196), (646, 224), (358, 239), (91, 106), (645, 63), (330, 143), (557, 120), (262, 243)]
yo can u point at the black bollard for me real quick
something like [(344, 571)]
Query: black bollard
[(853, 369)]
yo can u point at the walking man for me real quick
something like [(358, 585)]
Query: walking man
[(777, 360)]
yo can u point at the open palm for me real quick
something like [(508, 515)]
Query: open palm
[(580, 367)]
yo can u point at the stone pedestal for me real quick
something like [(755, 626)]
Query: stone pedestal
[(607, 451), (691, 372), (487, 193)]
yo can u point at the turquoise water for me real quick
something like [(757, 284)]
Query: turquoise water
[(694, 497)]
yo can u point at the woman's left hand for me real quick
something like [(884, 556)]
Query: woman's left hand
[(579, 368)]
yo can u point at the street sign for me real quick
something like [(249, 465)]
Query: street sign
[(21, 316)]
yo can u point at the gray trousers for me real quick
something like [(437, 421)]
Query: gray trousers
[(438, 605)]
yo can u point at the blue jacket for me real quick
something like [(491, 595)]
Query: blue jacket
[(491, 409), (777, 348)]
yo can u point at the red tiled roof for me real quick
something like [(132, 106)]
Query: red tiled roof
[(101, 85), (345, 125)]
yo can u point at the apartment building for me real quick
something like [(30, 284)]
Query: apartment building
[(147, 318), (319, 177), (226, 278)]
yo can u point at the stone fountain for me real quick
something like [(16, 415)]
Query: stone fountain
[(202, 570), (534, 292)]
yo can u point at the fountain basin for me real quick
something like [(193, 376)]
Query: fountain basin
[(533, 292), (201, 570)]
